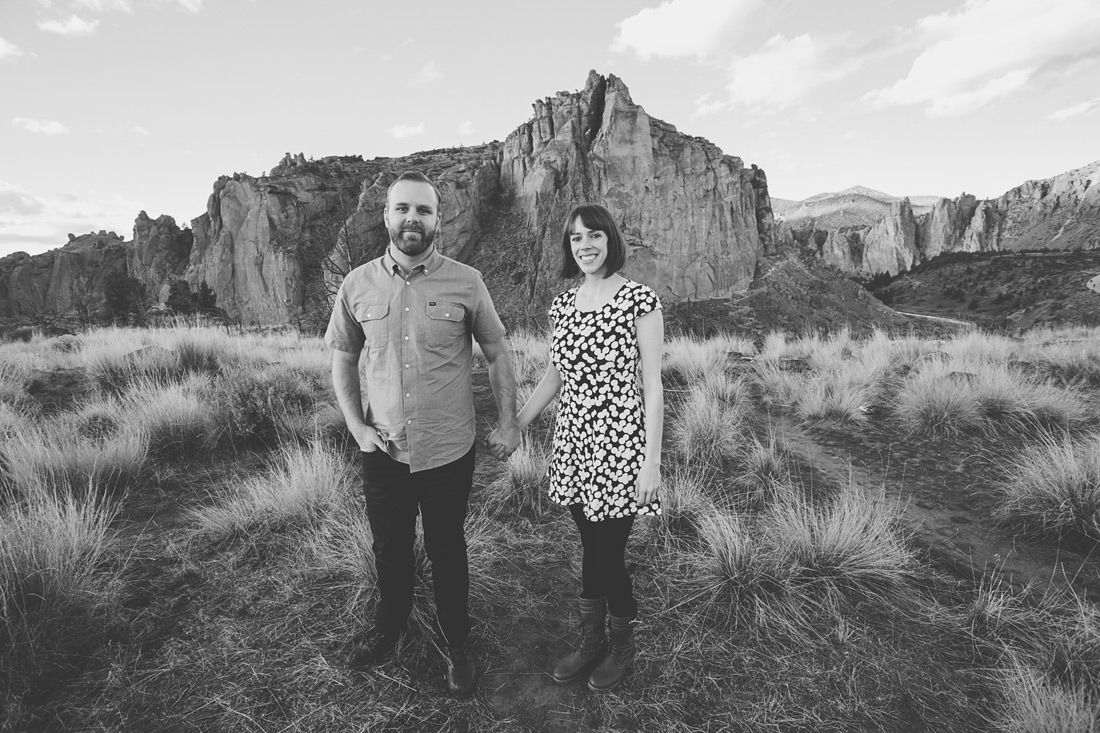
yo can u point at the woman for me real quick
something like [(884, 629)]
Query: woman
[(606, 464)]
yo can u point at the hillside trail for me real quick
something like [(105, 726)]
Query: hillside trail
[(939, 501)]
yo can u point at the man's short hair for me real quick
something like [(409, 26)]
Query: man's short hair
[(419, 178), (594, 217)]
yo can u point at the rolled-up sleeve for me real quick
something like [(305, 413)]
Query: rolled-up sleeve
[(344, 332)]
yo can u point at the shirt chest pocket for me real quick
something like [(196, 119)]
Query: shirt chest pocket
[(374, 319), (446, 323)]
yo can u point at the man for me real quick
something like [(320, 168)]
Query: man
[(408, 316)]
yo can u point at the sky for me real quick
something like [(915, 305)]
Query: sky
[(112, 107)]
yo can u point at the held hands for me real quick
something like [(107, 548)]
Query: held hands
[(368, 438), (649, 481), (503, 441)]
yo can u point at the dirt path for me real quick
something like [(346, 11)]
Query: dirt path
[(945, 514)]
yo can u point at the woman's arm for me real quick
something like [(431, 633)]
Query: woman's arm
[(651, 344), (546, 390)]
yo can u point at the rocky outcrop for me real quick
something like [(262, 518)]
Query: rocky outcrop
[(274, 247), (158, 254), (1057, 213), (696, 220), (46, 286), (262, 239)]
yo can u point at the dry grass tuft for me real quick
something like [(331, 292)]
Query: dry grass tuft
[(1034, 705), (692, 359), (523, 485), (1054, 486), (708, 430), (59, 579), (765, 471), (851, 549), (299, 491), (57, 457)]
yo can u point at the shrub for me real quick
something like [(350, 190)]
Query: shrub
[(299, 490), (176, 420), (706, 429), (58, 588), (56, 458), (258, 406), (692, 358), (1054, 485), (848, 550), (764, 473), (114, 366)]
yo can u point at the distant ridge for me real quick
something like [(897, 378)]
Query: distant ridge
[(856, 201)]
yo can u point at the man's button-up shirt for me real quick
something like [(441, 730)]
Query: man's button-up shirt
[(413, 330)]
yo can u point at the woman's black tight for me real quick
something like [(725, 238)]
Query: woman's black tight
[(603, 569)]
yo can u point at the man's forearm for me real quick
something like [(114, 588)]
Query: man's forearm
[(345, 382), (502, 378)]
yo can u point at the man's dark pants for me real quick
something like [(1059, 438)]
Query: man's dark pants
[(440, 496)]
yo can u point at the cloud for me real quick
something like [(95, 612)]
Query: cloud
[(74, 27), (14, 201), (191, 6), (990, 49), (786, 70), (34, 224), (8, 49), (139, 130), (102, 6), (707, 104), (42, 127), (426, 75), (1075, 111), (680, 28), (401, 132), (466, 127)]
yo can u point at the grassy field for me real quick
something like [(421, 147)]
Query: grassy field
[(183, 544)]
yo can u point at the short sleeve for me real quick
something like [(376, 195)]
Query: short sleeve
[(344, 332), (645, 301), (485, 323), (555, 308)]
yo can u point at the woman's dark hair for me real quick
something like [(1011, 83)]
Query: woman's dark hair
[(594, 217)]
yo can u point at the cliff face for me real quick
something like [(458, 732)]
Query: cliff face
[(696, 221), (273, 248), (158, 253), (1057, 213), (261, 239), (62, 280)]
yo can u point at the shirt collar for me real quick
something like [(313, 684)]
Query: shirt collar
[(429, 265)]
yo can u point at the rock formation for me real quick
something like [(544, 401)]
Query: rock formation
[(272, 248), (1057, 213), (696, 220), (49, 285), (158, 253)]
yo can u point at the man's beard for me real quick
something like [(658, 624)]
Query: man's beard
[(412, 247)]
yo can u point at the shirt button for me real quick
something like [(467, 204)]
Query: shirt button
[(408, 283), (406, 366), (406, 309), (446, 315), (409, 422), (407, 394), (406, 338)]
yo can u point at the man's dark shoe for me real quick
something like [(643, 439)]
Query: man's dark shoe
[(461, 673), (372, 649)]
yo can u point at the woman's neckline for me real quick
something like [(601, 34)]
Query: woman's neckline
[(602, 305)]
